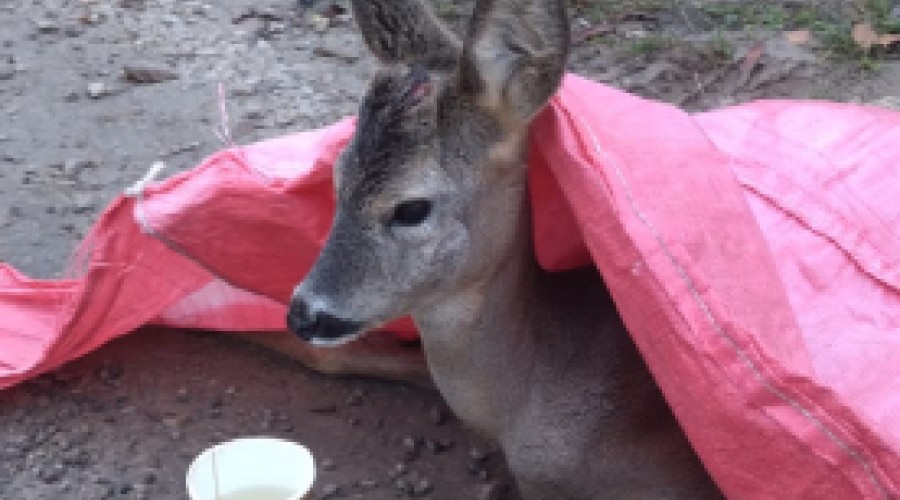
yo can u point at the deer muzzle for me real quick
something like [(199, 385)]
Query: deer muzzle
[(319, 327)]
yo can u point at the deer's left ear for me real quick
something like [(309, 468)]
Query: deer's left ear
[(515, 54), (406, 31)]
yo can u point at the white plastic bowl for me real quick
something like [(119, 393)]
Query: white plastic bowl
[(252, 468)]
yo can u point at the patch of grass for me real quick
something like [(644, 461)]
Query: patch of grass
[(448, 10), (837, 41), (773, 17), (831, 27), (714, 51), (597, 10), (835, 37), (650, 45), (741, 15), (834, 30), (805, 17), (879, 13), (720, 47), (777, 16)]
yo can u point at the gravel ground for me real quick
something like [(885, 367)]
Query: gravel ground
[(92, 92)]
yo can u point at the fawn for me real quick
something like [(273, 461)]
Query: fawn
[(433, 221)]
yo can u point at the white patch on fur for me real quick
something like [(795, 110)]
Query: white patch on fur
[(333, 343)]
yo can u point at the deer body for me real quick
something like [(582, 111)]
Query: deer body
[(541, 363), (433, 220)]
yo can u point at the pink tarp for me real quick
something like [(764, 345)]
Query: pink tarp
[(753, 252)]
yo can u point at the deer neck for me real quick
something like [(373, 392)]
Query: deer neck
[(479, 339)]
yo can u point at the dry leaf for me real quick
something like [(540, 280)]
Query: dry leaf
[(864, 35), (799, 37), (752, 58)]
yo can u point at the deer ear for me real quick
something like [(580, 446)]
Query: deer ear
[(406, 31), (515, 54)]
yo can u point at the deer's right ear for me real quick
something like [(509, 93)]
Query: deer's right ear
[(406, 31), (515, 54)]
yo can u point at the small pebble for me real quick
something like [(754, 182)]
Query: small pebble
[(399, 469), (46, 26), (355, 398), (110, 373), (96, 90), (149, 477), (477, 455), (143, 73), (319, 23), (410, 442), (330, 490), (438, 446), (422, 488), (52, 474), (403, 485), (367, 484), (490, 491), (410, 448)]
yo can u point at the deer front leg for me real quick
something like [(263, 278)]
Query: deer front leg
[(376, 354)]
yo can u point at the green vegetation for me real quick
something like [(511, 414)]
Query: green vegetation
[(597, 10), (744, 15), (650, 44), (879, 13), (829, 23)]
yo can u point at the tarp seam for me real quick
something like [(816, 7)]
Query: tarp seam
[(720, 330)]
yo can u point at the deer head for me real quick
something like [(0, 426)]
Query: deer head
[(431, 189)]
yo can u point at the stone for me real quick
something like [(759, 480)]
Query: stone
[(422, 487), (83, 202), (330, 490), (438, 446), (52, 474), (147, 73), (403, 485), (46, 26), (96, 90), (399, 469), (367, 484), (319, 23), (489, 491), (355, 398), (338, 48)]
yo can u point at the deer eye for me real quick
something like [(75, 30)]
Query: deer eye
[(411, 213)]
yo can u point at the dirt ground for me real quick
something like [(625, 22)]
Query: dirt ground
[(92, 92)]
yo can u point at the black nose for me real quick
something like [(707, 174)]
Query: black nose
[(301, 320), (313, 325)]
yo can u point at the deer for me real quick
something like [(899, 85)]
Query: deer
[(433, 222)]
